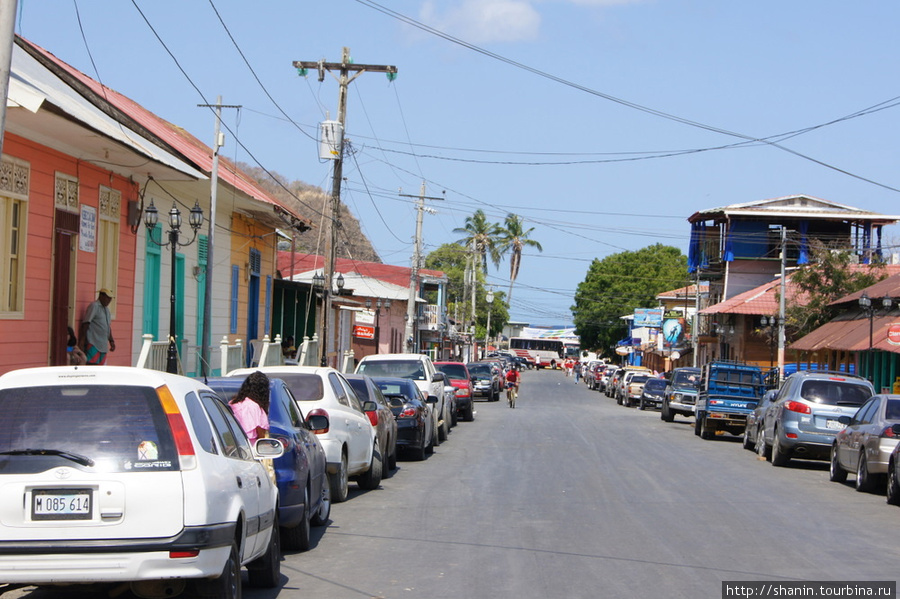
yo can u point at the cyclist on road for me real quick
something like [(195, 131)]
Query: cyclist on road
[(512, 385)]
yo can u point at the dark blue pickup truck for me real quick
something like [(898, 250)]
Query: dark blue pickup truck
[(729, 391)]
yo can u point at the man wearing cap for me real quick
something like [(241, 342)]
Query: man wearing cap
[(96, 329)]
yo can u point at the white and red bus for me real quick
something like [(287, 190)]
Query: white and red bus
[(543, 353)]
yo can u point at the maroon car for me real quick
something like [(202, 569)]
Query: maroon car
[(458, 376)]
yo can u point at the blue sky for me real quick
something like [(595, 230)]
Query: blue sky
[(603, 123)]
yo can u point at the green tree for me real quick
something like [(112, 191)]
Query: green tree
[(615, 286), (481, 236), (513, 239), (828, 276)]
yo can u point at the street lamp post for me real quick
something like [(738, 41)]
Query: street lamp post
[(378, 306), (868, 307), (490, 301), (151, 217), (770, 323)]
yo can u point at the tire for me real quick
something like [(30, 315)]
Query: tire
[(705, 432), (642, 405), (454, 417), (429, 448), (697, 419), (745, 439), (893, 485), (228, 584), (762, 450), (470, 412), (666, 414), (340, 482), (296, 538), (265, 572), (780, 457), (865, 482), (392, 462), (320, 518), (836, 474), (372, 477), (443, 431)]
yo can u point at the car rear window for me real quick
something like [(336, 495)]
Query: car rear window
[(482, 369), (119, 428), (835, 392), (639, 379), (453, 371), (397, 388), (304, 387), (404, 369)]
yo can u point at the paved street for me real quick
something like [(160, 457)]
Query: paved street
[(570, 495)]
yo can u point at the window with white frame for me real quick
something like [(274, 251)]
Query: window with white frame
[(14, 185)]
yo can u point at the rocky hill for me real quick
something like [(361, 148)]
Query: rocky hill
[(310, 202)]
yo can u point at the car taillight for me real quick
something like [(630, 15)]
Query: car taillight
[(319, 412), (183, 444), (408, 412), (797, 406), (284, 441), (373, 418), (888, 431)]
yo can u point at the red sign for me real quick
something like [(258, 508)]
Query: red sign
[(363, 331), (893, 335)]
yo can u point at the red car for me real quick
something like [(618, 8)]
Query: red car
[(458, 376)]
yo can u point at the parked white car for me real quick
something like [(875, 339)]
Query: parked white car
[(114, 474), (420, 369), (350, 442)]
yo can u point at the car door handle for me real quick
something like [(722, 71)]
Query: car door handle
[(240, 483)]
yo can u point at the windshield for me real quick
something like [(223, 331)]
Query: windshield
[(686, 379), (404, 369)]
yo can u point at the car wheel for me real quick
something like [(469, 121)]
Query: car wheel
[(454, 417), (780, 456), (666, 414), (893, 485), (705, 431), (320, 518), (372, 477), (340, 482), (762, 450), (226, 586), (745, 438), (697, 419), (391, 462), (865, 482), (265, 571), (836, 474), (432, 441), (296, 538), (470, 412)]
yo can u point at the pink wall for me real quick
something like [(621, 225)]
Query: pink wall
[(25, 342)]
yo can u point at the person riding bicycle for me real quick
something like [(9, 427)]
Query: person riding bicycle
[(512, 378)]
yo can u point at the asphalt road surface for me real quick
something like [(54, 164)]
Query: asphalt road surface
[(570, 495)]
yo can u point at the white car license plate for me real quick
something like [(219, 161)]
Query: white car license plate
[(61, 504), (836, 425)]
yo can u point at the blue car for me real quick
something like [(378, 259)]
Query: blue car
[(303, 489)]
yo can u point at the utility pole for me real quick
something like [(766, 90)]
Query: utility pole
[(218, 142), (409, 332), (332, 221), (7, 41), (781, 302)]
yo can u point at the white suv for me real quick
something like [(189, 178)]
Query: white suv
[(113, 474), (350, 442), (420, 369)]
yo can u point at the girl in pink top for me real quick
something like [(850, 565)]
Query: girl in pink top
[(251, 406)]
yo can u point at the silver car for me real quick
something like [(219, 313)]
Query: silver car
[(806, 414), (865, 446)]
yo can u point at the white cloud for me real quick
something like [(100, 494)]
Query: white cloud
[(482, 21)]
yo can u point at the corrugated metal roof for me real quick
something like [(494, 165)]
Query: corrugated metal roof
[(179, 140), (296, 263), (850, 332), (794, 206)]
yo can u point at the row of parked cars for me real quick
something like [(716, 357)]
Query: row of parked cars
[(812, 415), (114, 474)]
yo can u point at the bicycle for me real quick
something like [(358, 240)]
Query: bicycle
[(511, 392)]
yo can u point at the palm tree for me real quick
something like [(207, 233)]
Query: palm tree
[(482, 236), (513, 239)]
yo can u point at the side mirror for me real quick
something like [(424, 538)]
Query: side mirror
[(896, 429), (437, 376), (370, 406), (432, 399), (845, 420), (268, 448), (318, 423), (396, 402)]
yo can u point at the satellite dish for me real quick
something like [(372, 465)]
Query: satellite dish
[(675, 355)]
